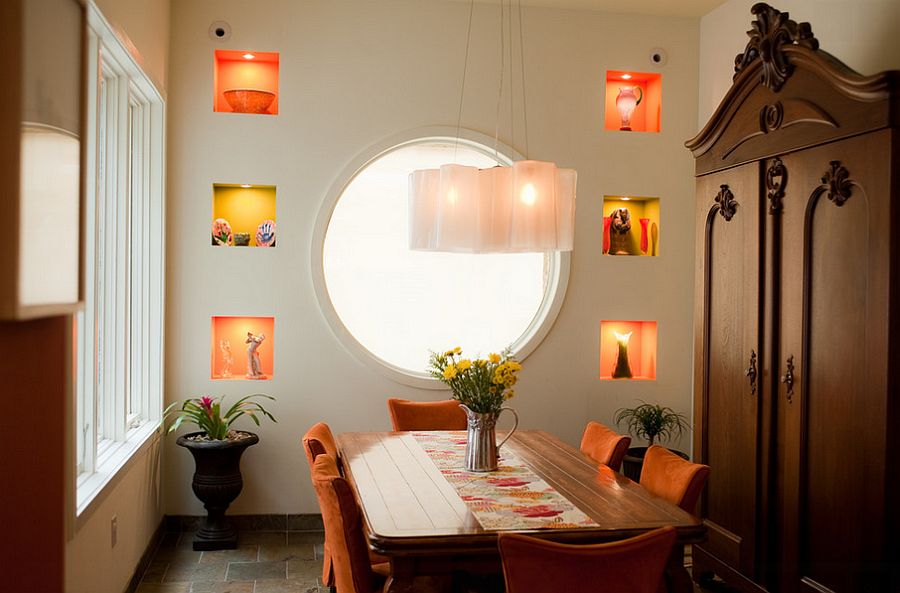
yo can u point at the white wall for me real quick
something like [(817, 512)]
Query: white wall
[(353, 73), (860, 33), (93, 565), (143, 25)]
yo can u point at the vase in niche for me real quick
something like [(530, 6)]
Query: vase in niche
[(607, 220), (482, 449), (623, 369), (626, 102), (644, 234)]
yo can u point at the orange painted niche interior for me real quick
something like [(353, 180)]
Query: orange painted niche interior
[(248, 210), (230, 347), (630, 225), (624, 88), (245, 82), (639, 339)]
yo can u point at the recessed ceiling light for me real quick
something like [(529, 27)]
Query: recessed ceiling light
[(625, 198), (246, 185), (251, 56), (624, 76)]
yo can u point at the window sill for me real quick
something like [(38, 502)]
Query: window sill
[(92, 488)]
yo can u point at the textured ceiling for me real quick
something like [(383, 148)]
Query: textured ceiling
[(687, 8)]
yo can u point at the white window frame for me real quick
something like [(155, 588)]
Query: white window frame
[(120, 331)]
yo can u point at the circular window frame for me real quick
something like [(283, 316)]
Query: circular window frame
[(558, 272)]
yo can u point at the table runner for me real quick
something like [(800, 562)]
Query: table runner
[(513, 497)]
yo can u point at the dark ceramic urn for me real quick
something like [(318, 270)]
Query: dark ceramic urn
[(217, 482)]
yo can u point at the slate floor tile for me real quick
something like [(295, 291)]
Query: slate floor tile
[(256, 571), (243, 553), (180, 572)]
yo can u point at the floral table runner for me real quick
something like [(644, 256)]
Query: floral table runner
[(513, 497)]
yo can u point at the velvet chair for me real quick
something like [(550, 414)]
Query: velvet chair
[(440, 415), (353, 571), (604, 445), (635, 565), (318, 440), (669, 476)]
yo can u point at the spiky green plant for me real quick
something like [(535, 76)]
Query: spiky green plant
[(652, 422), (206, 413)]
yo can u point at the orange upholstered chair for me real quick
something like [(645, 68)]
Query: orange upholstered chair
[(318, 440), (441, 415), (635, 565), (669, 476), (604, 445), (353, 572)]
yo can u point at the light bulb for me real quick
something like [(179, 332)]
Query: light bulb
[(623, 338), (529, 195), (452, 196), (626, 77), (248, 56), (625, 198), (246, 185)]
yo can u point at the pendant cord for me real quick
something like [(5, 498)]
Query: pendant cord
[(500, 86), (512, 94), (522, 63), (462, 89)]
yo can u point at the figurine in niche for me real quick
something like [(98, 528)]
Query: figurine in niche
[(623, 369), (221, 232), (620, 230), (227, 358), (265, 234), (253, 367)]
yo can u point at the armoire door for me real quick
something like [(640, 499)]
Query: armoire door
[(729, 365), (832, 353)]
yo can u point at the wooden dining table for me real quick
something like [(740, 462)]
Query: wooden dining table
[(414, 516)]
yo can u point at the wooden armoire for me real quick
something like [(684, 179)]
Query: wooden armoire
[(797, 321)]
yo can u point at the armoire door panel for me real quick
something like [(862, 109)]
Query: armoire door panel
[(833, 319), (728, 323)]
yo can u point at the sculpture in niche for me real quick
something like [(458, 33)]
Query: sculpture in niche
[(221, 232), (265, 234), (623, 369), (772, 30), (621, 227), (227, 358), (254, 371)]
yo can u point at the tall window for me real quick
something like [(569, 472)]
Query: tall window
[(398, 304), (119, 332)]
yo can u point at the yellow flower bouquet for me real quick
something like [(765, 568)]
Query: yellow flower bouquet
[(482, 384)]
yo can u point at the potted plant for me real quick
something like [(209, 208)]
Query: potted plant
[(217, 450), (653, 423)]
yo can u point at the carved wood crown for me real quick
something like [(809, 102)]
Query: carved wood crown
[(772, 30)]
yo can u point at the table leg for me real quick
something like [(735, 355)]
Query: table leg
[(404, 579), (677, 578)]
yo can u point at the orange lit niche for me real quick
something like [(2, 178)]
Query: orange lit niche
[(245, 207), (642, 234), (229, 334), (640, 337), (647, 86), (245, 82)]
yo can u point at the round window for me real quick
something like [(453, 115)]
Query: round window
[(398, 304)]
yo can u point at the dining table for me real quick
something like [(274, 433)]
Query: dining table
[(414, 514)]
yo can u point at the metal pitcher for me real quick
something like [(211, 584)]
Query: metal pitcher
[(482, 449)]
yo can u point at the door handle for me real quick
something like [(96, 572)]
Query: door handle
[(788, 378), (752, 372)]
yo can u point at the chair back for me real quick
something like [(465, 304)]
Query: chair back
[(668, 476), (635, 565), (441, 415), (318, 440), (343, 528), (604, 445)]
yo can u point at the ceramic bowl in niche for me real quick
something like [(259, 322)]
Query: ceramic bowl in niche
[(249, 100)]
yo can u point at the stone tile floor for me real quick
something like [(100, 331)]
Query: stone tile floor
[(264, 562)]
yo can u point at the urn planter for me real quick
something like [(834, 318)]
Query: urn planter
[(217, 482)]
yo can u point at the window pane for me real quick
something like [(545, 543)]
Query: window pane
[(398, 303)]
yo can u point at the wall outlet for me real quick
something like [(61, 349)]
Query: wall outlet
[(114, 530)]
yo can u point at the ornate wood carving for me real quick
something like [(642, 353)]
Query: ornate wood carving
[(727, 203), (752, 373), (770, 117), (776, 179), (788, 378), (771, 31), (837, 183)]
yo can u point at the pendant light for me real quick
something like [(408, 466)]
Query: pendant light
[(528, 206)]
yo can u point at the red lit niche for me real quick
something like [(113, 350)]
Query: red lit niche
[(636, 340), (230, 348), (245, 82), (633, 101)]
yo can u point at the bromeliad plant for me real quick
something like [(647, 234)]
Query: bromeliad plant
[(206, 413), (483, 384)]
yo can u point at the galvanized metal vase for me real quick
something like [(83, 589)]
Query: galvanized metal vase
[(482, 449)]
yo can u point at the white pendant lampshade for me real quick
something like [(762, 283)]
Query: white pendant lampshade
[(528, 207)]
